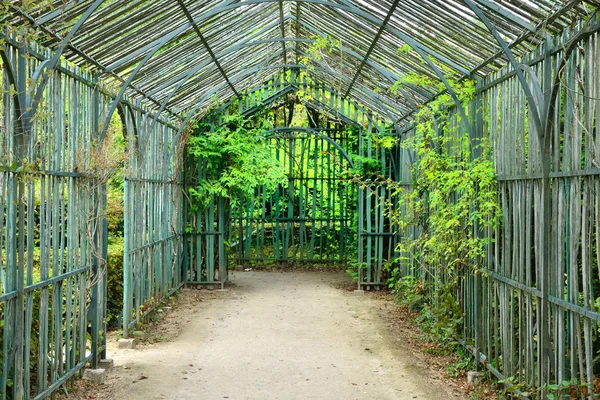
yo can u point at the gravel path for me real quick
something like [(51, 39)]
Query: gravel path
[(288, 336)]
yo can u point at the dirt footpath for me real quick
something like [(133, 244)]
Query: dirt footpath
[(272, 335)]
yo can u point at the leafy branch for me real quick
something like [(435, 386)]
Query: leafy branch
[(235, 158)]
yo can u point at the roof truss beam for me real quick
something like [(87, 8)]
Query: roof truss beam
[(233, 4), (48, 66), (244, 73), (372, 46), (197, 68), (184, 78), (513, 61), (206, 45), (297, 27), (289, 88), (508, 15), (282, 28), (103, 69), (391, 76), (56, 13)]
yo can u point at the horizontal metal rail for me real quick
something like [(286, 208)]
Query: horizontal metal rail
[(153, 244), (44, 283), (564, 174), (567, 305)]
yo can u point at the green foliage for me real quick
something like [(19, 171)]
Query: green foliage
[(353, 272), (409, 291), (114, 275), (235, 158), (320, 53), (572, 389), (406, 48), (440, 320), (450, 198), (23, 28), (464, 363), (320, 46), (115, 212), (451, 202)]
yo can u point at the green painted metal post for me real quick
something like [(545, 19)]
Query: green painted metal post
[(127, 271)]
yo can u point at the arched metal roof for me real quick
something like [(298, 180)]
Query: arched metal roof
[(177, 55)]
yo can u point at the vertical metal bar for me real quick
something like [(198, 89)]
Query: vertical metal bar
[(315, 194), (277, 217), (221, 228), (19, 247), (127, 272), (360, 212), (99, 247), (186, 260)]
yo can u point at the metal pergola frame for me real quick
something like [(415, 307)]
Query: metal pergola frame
[(164, 64), (74, 29)]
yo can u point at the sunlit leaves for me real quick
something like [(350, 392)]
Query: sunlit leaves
[(235, 159)]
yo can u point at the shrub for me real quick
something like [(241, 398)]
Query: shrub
[(114, 282)]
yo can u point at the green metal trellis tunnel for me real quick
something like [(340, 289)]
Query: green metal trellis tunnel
[(92, 86)]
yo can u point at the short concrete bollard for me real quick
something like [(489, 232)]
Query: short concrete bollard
[(95, 375), (474, 377), (106, 364), (239, 268), (127, 343), (168, 310)]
